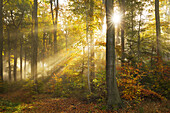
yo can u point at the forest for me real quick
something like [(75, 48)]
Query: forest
[(84, 56)]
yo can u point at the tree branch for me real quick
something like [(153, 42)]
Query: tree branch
[(5, 3), (13, 19)]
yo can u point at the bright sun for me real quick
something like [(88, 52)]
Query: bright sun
[(116, 18), (62, 1)]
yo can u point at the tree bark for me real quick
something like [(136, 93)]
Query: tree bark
[(43, 51), (25, 65), (139, 37), (113, 97), (55, 27), (92, 72), (158, 32), (15, 56), (122, 32), (1, 40), (87, 38), (66, 36), (132, 30), (32, 45), (35, 42), (21, 57), (9, 55)]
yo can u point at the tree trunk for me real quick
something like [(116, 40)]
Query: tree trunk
[(43, 52), (66, 36), (55, 27), (132, 31), (21, 56), (152, 55), (25, 65), (9, 55), (139, 37), (158, 32), (87, 38), (113, 97), (122, 32), (1, 40), (15, 55), (92, 72), (52, 15), (35, 43), (82, 71), (32, 46)]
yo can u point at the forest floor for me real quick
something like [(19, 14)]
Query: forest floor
[(23, 102)]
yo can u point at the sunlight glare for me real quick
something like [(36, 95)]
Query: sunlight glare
[(62, 1), (116, 18)]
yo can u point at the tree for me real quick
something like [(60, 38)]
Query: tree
[(35, 41), (139, 30), (158, 32), (122, 30), (92, 72), (55, 22), (1, 40), (113, 97), (87, 38), (9, 54), (21, 56), (16, 29)]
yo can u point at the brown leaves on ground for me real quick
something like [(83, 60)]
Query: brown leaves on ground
[(72, 105), (44, 103), (62, 105)]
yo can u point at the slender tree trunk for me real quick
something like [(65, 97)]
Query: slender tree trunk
[(9, 55), (87, 38), (50, 45), (92, 72), (55, 27), (15, 65), (122, 32), (15, 55), (66, 36), (158, 32), (35, 43), (113, 97), (21, 56), (139, 37), (152, 55), (82, 70), (1, 40), (43, 51), (132, 30), (25, 65), (32, 46), (52, 15), (49, 42)]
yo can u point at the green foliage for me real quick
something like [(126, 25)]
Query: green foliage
[(158, 79), (33, 87), (8, 106), (99, 83)]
